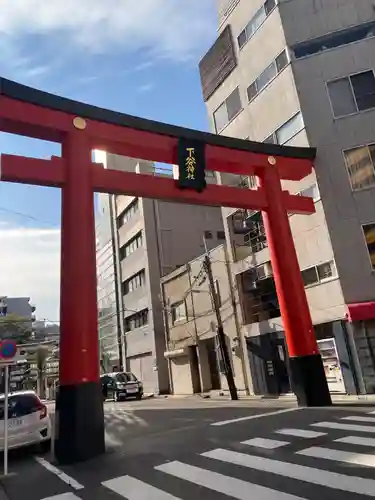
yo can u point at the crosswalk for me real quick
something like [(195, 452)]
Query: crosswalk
[(260, 456)]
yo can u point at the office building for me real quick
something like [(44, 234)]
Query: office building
[(302, 74), (150, 239), (109, 323)]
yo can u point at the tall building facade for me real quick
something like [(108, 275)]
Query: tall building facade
[(150, 239), (109, 320), (302, 74)]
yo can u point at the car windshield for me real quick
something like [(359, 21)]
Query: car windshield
[(19, 405), (126, 377)]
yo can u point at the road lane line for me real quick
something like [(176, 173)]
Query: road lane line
[(268, 444), (234, 488), (311, 475), (253, 417), (60, 474), (134, 489), (346, 457), (63, 496), (346, 427), (303, 433), (361, 441), (357, 418)]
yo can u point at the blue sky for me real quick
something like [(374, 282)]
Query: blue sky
[(139, 59)]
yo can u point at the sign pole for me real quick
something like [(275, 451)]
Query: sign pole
[(6, 393)]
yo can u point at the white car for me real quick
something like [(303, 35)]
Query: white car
[(28, 421)]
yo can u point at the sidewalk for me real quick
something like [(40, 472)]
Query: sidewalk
[(336, 398)]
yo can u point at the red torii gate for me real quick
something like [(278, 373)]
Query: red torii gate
[(81, 128)]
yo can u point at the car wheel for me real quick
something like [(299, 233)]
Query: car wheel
[(45, 446), (139, 395)]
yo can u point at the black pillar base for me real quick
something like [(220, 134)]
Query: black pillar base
[(309, 381), (79, 429)]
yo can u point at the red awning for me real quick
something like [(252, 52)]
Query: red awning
[(361, 311)]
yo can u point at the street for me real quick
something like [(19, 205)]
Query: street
[(188, 449)]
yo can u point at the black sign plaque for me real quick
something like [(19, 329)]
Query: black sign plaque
[(191, 164)]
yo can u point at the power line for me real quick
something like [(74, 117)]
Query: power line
[(26, 216)]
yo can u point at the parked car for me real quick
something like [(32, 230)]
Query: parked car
[(121, 385), (28, 421)]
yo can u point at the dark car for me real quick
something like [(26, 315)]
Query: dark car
[(121, 385)]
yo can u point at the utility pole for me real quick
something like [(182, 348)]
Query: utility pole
[(220, 330)]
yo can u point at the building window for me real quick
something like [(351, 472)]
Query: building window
[(360, 163), (136, 281), (136, 320), (268, 74), (220, 235), (129, 212), (369, 233), (131, 246), (287, 131), (311, 192), (179, 312), (319, 274), (255, 22), (333, 40), (227, 110), (352, 94), (208, 235)]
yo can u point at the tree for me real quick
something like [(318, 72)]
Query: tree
[(15, 328)]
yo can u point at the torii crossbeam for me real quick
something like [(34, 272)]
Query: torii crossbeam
[(82, 128)]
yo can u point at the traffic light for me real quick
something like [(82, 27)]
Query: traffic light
[(191, 165)]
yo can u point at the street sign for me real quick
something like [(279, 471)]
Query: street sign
[(8, 351)]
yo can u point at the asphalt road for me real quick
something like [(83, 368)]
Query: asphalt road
[(189, 450)]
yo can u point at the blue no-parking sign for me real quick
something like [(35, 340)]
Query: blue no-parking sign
[(8, 350)]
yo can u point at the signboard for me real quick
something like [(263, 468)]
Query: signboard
[(191, 165), (8, 351), (218, 63)]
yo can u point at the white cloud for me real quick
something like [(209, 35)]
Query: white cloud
[(147, 87), (30, 266), (170, 28)]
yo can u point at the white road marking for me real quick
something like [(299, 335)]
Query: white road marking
[(346, 427), (235, 488), (357, 418), (64, 496), (301, 433), (253, 417), (361, 441), (134, 489), (269, 444), (347, 457), (321, 477), (60, 474)]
